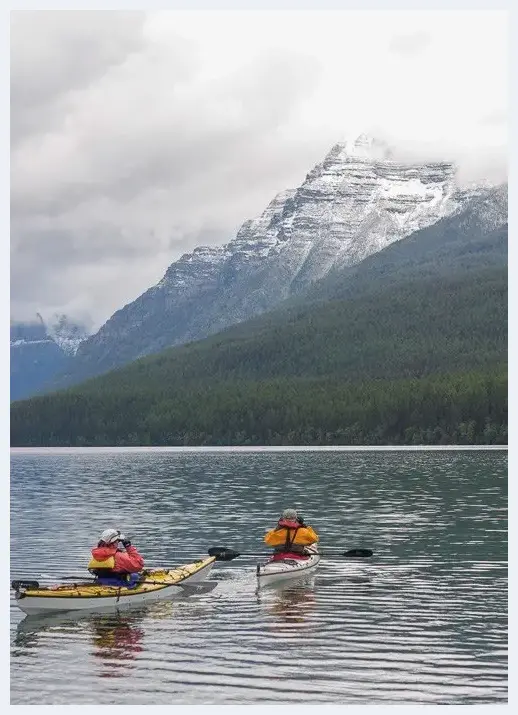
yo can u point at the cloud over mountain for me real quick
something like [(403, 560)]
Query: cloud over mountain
[(136, 137)]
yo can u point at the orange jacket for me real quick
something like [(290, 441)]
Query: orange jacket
[(303, 536), (129, 561)]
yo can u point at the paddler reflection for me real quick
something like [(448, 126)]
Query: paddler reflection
[(117, 638), (292, 605)]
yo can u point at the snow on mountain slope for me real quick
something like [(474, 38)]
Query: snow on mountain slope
[(354, 203), (39, 351)]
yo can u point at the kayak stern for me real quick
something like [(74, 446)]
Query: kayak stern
[(278, 571)]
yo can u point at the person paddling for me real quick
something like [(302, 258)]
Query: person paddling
[(115, 561), (291, 538)]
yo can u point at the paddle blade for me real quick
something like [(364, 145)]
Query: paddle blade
[(358, 553), (17, 585), (223, 554)]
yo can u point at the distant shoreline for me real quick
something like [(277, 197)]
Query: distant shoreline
[(267, 448)]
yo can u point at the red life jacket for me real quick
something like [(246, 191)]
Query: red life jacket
[(128, 561)]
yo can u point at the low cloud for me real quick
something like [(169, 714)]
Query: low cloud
[(136, 137), (410, 44)]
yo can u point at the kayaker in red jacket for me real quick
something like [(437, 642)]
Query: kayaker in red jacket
[(115, 554)]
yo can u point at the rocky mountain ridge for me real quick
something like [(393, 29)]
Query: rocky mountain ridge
[(354, 203)]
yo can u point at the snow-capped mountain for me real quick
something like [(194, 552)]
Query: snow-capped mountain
[(39, 351), (66, 333), (354, 203), (30, 333)]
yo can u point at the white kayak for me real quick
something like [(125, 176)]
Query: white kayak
[(282, 570), (157, 585)]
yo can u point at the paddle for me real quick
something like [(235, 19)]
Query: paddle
[(224, 554), (352, 554), (24, 583)]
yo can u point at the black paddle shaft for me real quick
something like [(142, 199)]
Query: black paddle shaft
[(224, 554)]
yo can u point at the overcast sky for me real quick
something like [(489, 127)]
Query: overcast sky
[(136, 137)]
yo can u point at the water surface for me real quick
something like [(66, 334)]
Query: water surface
[(423, 621)]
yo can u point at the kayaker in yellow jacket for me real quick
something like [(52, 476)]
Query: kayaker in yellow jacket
[(291, 537)]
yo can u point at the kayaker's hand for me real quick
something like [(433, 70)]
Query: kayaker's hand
[(126, 542)]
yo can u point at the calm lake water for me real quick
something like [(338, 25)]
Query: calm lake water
[(423, 621)]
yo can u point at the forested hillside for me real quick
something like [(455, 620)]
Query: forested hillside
[(419, 361)]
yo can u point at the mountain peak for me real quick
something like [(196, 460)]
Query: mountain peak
[(362, 146), (353, 204), (66, 333)]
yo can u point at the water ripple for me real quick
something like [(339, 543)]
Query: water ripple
[(423, 621)]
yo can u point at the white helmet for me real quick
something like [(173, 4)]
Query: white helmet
[(289, 515), (109, 536)]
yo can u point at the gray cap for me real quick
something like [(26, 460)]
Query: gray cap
[(289, 515)]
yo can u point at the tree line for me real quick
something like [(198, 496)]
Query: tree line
[(459, 408)]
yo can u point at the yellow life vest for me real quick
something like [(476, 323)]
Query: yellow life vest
[(108, 563)]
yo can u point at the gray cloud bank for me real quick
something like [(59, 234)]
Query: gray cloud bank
[(136, 137)]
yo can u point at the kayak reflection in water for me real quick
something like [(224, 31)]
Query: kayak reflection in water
[(115, 636), (115, 561), (294, 605), (291, 606), (291, 538)]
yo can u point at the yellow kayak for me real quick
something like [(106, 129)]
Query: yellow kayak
[(156, 585)]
